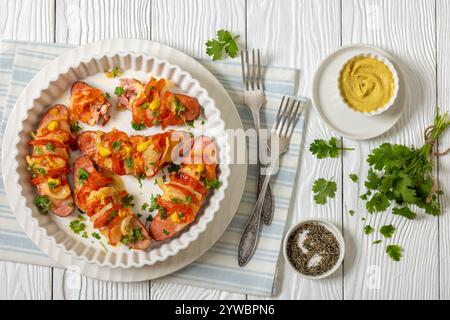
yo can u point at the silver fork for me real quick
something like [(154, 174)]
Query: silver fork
[(254, 98), (282, 131)]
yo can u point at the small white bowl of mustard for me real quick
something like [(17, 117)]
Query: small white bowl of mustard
[(368, 84)]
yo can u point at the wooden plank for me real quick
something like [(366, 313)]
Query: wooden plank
[(407, 29), (443, 96), (79, 22), (72, 286), (299, 34), (25, 282), (187, 25), (20, 281), (28, 20)]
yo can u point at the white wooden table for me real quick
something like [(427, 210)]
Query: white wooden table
[(291, 33)]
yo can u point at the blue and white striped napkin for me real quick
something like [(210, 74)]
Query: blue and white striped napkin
[(218, 268)]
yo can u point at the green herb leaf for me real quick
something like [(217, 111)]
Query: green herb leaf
[(353, 177), (394, 252), (212, 184), (377, 242), (225, 43), (134, 236), (118, 91), (368, 230), (116, 145), (323, 189), (96, 235), (128, 201), (137, 127), (77, 226), (49, 146), (404, 212), (75, 127), (323, 149), (82, 175), (173, 167), (387, 231), (43, 204), (129, 162)]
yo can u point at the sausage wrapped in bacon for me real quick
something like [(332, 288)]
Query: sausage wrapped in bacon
[(155, 105), (88, 104), (108, 208), (49, 162)]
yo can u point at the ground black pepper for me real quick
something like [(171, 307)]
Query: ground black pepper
[(312, 249)]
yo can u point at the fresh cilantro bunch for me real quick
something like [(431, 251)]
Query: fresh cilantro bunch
[(224, 43), (402, 176), (323, 149)]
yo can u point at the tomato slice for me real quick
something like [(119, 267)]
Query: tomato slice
[(183, 178)]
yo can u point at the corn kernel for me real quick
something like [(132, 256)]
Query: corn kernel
[(104, 151), (56, 181), (127, 151), (175, 218), (155, 104), (143, 146), (53, 125), (200, 168)]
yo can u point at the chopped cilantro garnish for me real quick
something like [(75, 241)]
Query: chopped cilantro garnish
[(128, 201), (39, 151), (77, 226), (96, 235), (212, 184), (44, 204), (134, 236), (116, 145), (49, 146), (137, 127), (129, 162), (82, 175), (118, 91), (166, 232), (75, 127), (173, 167)]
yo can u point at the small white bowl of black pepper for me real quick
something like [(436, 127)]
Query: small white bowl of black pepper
[(314, 248)]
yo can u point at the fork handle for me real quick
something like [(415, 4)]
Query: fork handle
[(249, 238), (267, 210)]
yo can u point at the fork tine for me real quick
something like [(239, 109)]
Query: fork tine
[(248, 69), (281, 111), (287, 117), (253, 70), (244, 79), (259, 73), (293, 120)]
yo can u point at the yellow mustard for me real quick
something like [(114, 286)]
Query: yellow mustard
[(366, 84)]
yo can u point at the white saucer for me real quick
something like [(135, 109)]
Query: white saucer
[(333, 111)]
